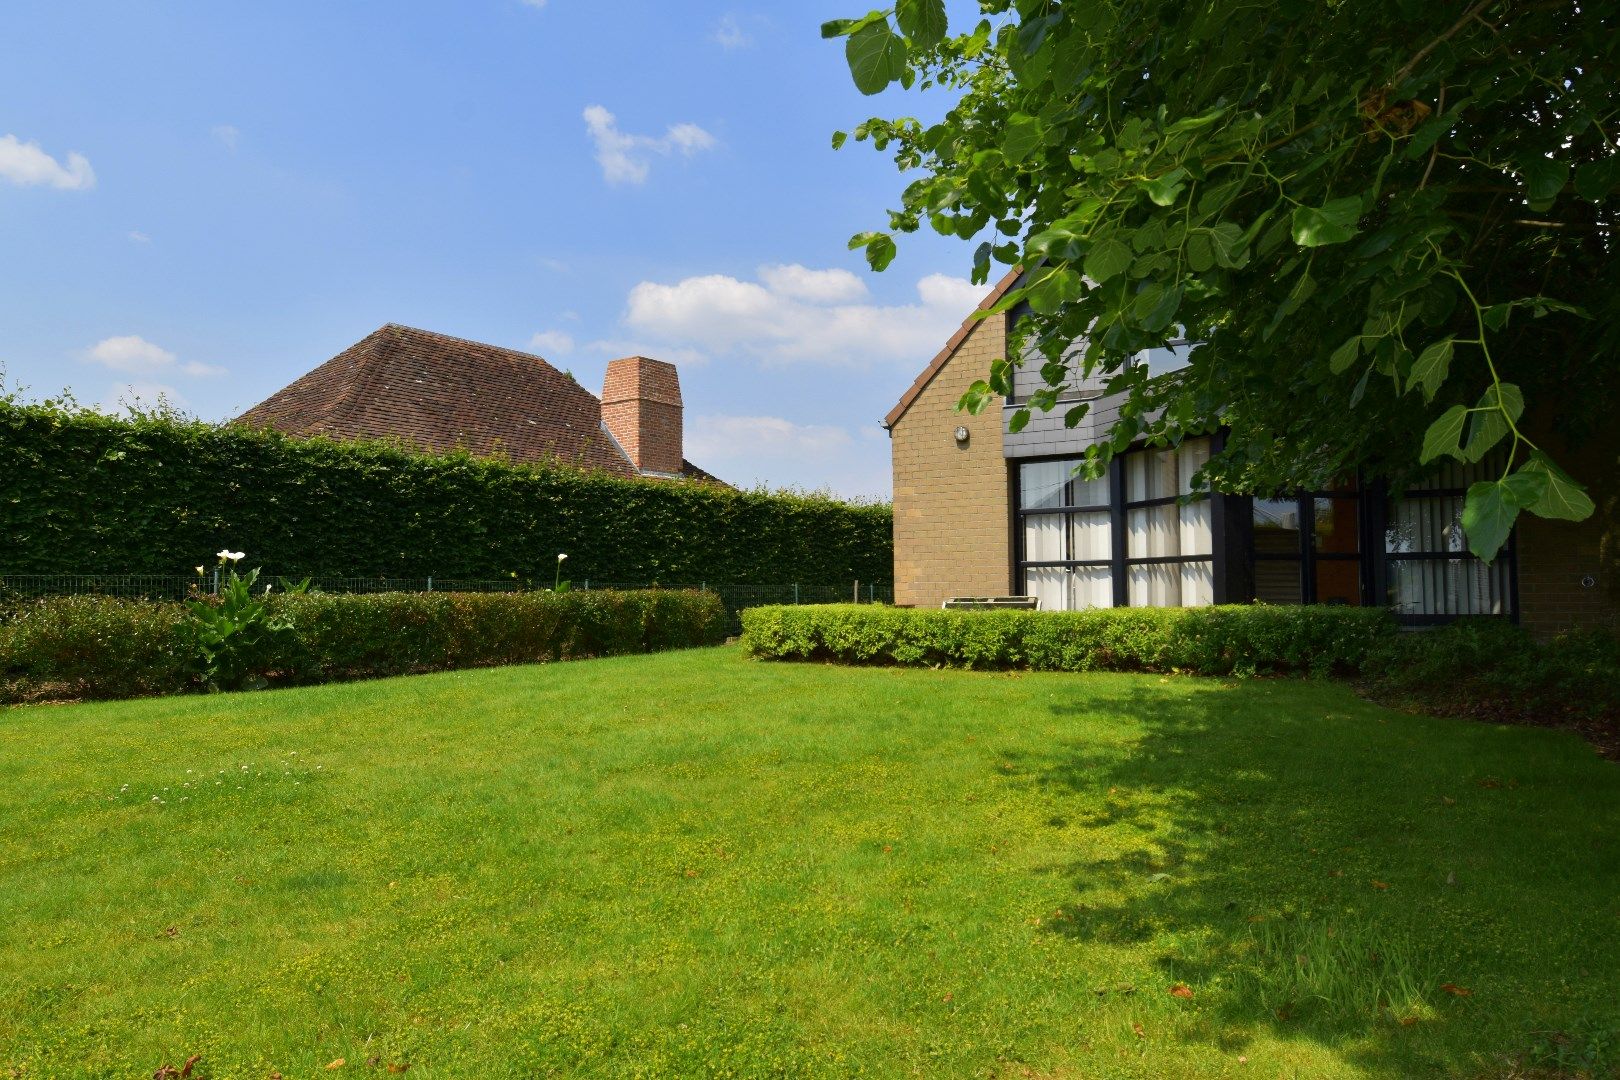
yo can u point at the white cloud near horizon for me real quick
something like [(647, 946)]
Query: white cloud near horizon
[(28, 165), (135, 355), (228, 135), (626, 158), (795, 314)]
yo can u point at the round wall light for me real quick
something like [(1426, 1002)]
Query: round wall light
[(961, 435)]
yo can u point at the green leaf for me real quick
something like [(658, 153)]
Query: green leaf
[(1564, 498), (1231, 246), (1594, 180), (923, 21), (839, 27), (1107, 259), (876, 55), (1200, 252), (1489, 511), (1432, 367), (1543, 178), (1165, 190), (1055, 288), (1019, 421), (838, 138), (1022, 137), (1345, 355), (880, 249), (1491, 424), (1164, 312), (1444, 435), (1073, 416), (1333, 223)]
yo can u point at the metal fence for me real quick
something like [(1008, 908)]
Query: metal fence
[(178, 586)]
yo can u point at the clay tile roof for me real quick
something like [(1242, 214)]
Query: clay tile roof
[(443, 393), (1002, 288)]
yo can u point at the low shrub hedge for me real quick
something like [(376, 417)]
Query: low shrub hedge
[(1238, 639), (1494, 670), (105, 647)]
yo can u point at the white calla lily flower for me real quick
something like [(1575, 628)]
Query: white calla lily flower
[(561, 557)]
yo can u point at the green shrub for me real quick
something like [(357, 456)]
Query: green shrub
[(104, 647), (86, 493), (1226, 640), (1493, 669)]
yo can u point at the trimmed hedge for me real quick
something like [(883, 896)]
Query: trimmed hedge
[(84, 493), (104, 647), (1237, 639)]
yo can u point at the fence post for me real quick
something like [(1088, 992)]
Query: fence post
[(795, 592), (216, 581), (587, 584), (857, 596), (871, 592), (430, 583)]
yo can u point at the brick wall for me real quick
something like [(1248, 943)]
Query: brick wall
[(641, 405), (1556, 557), (950, 501)]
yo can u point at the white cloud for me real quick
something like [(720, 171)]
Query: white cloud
[(766, 436), (137, 356), (551, 341), (625, 158), (815, 286), (228, 135), (537, 4), (729, 33), (26, 165), (139, 237), (802, 315)]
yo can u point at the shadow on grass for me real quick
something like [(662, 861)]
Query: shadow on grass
[(1321, 870)]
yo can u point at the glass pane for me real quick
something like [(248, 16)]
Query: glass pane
[(1091, 586), (1336, 526), (1040, 484), (1428, 524), (1196, 535), (1150, 474), (1153, 532), (1090, 537), (1043, 538), (1276, 527), (1085, 492), (1197, 584), (1172, 585), (1449, 587), (1276, 581), (1338, 581), (1193, 455), (1048, 584)]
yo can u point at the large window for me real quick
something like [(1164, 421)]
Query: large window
[(1307, 549), (1066, 535), (1169, 552), (1431, 574), (1137, 536)]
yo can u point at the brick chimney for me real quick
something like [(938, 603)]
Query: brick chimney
[(641, 406)]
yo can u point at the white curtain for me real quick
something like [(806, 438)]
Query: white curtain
[(1090, 538), (1041, 483), (1448, 587), (1091, 586), (1049, 584), (1043, 538)]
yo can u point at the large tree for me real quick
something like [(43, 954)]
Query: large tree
[(1390, 223)]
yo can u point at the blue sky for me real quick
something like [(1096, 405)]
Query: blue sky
[(208, 200)]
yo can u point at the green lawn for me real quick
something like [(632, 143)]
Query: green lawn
[(695, 864)]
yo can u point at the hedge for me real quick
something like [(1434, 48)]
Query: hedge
[(85, 493), (105, 647), (1242, 639)]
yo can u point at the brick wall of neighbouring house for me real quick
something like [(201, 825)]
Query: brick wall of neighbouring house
[(1556, 557), (950, 501)]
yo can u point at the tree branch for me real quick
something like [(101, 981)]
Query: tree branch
[(1468, 16)]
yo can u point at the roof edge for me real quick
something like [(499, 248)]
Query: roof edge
[(993, 298)]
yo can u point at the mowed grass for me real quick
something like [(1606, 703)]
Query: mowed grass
[(694, 864)]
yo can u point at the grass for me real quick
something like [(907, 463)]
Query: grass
[(694, 864)]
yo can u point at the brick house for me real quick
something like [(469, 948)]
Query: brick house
[(980, 510), (443, 393)]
